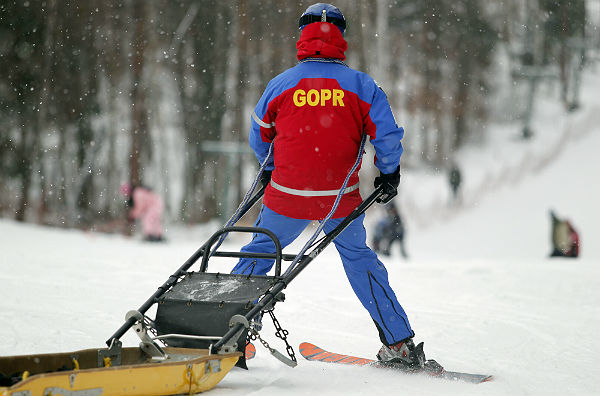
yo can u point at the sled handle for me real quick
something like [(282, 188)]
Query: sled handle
[(254, 230), (180, 272), (358, 211), (281, 284)]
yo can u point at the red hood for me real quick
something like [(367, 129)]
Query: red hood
[(321, 40)]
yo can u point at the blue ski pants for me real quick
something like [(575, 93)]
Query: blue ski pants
[(367, 275)]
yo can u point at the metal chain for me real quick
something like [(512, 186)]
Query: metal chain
[(255, 335), (282, 333)]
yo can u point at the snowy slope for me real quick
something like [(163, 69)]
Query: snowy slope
[(478, 287)]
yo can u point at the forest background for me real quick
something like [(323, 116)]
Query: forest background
[(97, 93)]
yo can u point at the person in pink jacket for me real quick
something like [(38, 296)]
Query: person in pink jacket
[(146, 206)]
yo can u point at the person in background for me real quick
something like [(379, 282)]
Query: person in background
[(146, 206), (565, 240), (389, 230), (454, 178)]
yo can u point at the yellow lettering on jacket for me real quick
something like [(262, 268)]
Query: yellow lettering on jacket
[(299, 97), (318, 97), (312, 97), (338, 95)]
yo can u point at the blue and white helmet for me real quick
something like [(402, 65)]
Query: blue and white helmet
[(323, 12)]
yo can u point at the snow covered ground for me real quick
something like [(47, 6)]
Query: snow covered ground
[(478, 287)]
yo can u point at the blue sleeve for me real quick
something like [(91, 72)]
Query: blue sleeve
[(262, 129), (388, 135)]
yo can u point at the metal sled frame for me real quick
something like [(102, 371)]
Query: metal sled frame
[(239, 323)]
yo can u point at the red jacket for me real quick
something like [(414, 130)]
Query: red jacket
[(316, 114)]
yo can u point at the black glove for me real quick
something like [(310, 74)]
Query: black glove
[(389, 182), (265, 177)]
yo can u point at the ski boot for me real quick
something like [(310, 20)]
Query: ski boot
[(404, 353)]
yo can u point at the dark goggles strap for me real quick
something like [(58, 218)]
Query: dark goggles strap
[(309, 18)]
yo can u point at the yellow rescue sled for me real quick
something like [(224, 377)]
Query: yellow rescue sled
[(116, 371)]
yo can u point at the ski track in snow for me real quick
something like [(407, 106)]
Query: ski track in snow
[(478, 289)]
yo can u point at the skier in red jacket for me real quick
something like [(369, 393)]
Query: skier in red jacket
[(316, 114)]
